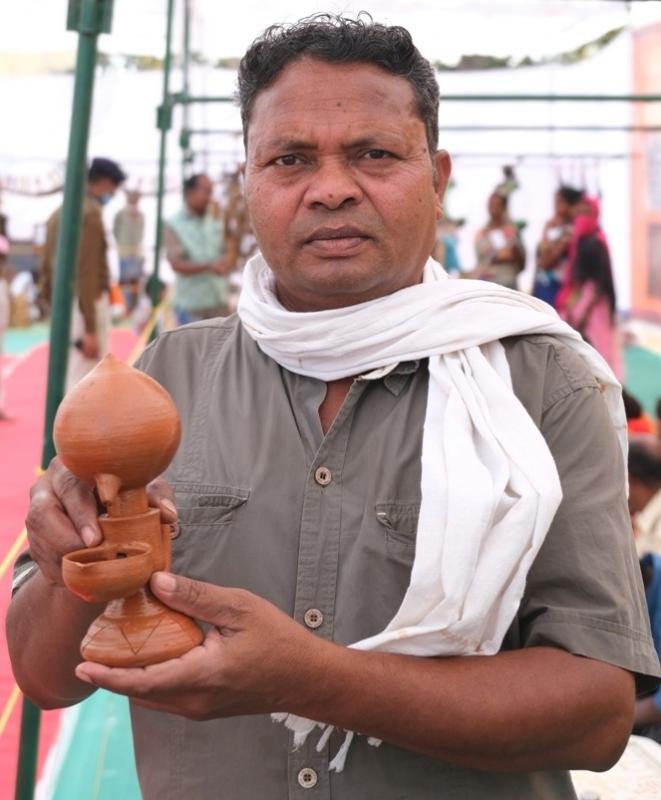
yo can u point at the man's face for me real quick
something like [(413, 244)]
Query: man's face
[(342, 190), (563, 210), (103, 187), (199, 197), (496, 207)]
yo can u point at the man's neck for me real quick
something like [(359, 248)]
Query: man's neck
[(336, 392)]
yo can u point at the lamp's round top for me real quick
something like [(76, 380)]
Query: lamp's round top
[(117, 421)]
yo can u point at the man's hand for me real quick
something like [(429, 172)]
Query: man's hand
[(254, 660), (63, 516), (89, 345), (221, 266)]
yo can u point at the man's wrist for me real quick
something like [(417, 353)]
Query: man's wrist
[(313, 683)]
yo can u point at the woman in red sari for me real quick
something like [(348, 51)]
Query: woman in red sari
[(587, 298)]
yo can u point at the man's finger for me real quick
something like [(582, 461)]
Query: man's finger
[(161, 496), (175, 675), (215, 604), (47, 522), (78, 502)]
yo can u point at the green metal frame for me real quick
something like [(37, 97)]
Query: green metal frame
[(164, 123), (89, 18), (184, 137)]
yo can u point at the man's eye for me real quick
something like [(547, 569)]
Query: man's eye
[(287, 161), (373, 155)]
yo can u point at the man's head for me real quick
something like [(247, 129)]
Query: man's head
[(339, 40), (104, 178), (497, 207), (343, 181), (198, 190), (567, 202), (644, 471)]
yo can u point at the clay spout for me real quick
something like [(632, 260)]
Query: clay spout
[(108, 487)]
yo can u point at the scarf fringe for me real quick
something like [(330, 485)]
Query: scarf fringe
[(302, 728)]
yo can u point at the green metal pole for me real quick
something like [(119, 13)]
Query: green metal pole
[(186, 155), (164, 123), (89, 18), (28, 751)]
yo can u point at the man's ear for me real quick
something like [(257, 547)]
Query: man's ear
[(442, 172)]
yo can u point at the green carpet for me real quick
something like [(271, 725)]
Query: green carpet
[(99, 762), (643, 370), (19, 340)]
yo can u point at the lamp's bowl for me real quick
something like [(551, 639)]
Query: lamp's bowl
[(107, 572)]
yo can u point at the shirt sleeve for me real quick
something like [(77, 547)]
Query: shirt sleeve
[(584, 592), (174, 249), (93, 273), (48, 261), (24, 569)]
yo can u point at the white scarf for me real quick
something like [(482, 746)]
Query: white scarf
[(489, 484)]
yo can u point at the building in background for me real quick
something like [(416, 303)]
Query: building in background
[(646, 177)]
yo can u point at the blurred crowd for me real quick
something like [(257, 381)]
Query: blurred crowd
[(573, 270)]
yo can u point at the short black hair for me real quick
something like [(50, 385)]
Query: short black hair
[(106, 168), (192, 182), (645, 462), (339, 40), (632, 407), (570, 195)]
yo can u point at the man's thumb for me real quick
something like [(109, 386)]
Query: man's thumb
[(197, 599)]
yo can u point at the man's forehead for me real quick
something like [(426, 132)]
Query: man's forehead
[(328, 78), (308, 91)]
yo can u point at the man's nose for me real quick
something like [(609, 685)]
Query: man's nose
[(333, 185)]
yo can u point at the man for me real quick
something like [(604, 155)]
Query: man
[(305, 492), (129, 230), (90, 322), (645, 492), (194, 246)]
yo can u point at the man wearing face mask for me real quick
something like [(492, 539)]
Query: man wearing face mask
[(90, 319)]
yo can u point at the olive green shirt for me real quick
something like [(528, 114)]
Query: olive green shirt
[(324, 528)]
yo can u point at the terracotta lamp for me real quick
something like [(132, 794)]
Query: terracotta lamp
[(118, 429)]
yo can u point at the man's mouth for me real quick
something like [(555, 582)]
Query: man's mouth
[(336, 240)]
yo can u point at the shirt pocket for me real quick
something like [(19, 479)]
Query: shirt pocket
[(208, 527), (399, 522), (203, 507)]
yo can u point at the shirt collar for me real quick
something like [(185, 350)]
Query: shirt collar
[(394, 376)]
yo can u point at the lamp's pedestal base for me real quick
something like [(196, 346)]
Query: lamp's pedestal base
[(138, 631)]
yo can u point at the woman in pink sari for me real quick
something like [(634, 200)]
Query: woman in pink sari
[(587, 298)]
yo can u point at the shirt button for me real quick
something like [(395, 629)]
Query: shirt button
[(323, 476), (313, 618), (307, 778)]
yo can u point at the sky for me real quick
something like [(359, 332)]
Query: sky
[(442, 29)]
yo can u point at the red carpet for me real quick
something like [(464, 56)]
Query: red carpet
[(20, 453)]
